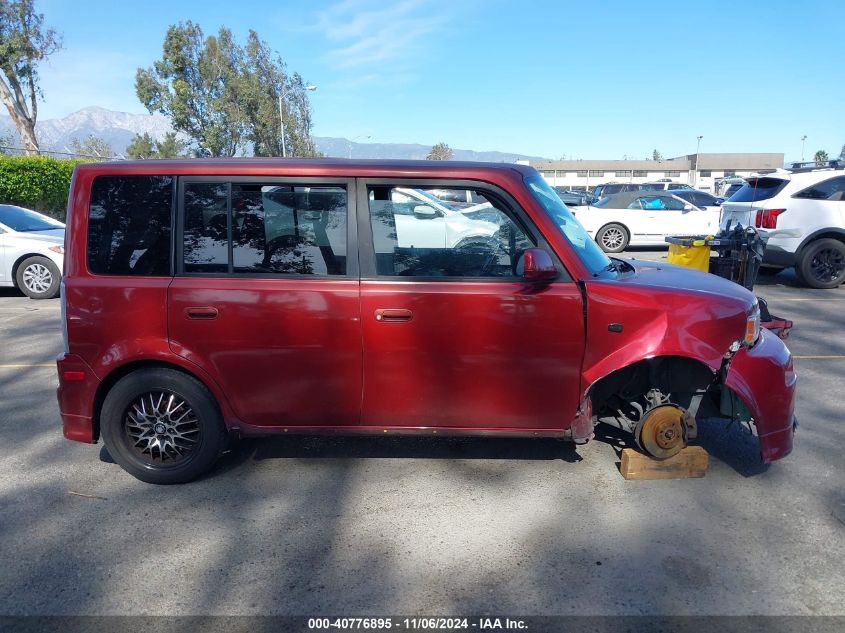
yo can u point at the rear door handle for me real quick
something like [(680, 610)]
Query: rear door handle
[(393, 315), (203, 313)]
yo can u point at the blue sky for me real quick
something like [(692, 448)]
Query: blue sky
[(547, 78)]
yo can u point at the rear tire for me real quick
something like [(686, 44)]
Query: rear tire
[(612, 238), (162, 426), (38, 278), (822, 264)]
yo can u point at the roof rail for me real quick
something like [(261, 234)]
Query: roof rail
[(836, 163)]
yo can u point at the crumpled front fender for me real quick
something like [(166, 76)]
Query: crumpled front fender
[(764, 378)]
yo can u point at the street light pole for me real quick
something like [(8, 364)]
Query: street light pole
[(695, 173), (282, 117), (803, 138)]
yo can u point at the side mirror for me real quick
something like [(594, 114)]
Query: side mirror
[(688, 207), (424, 212), (536, 264)]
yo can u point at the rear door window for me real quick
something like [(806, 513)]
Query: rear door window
[(264, 228), (758, 189), (129, 225)]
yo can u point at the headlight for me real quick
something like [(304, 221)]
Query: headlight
[(57, 249), (752, 327)]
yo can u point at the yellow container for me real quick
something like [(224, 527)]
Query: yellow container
[(696, 256)]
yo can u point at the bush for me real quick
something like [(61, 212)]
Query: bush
[(36, 182)]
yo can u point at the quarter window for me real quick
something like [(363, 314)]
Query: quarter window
[(251, 228), (832, 189), (129, 225), (416, 236)]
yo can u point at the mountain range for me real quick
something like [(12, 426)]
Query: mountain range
[(118, 128)]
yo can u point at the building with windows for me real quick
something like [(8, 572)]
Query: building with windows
[(698, 170)]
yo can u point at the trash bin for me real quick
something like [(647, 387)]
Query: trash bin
[(692, 253)]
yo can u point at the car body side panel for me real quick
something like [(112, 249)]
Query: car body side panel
[(661, 316), (763, 376)]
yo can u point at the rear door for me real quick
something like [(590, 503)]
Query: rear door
[(452, 337), (266, 296)]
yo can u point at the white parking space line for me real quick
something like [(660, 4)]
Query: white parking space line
[(27, 365)]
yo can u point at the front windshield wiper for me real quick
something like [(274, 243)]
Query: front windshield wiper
[(617, 266)]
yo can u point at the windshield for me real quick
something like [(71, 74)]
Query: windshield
[(587, 249), (24, 220)]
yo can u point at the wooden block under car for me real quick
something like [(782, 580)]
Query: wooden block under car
[(690, 462)]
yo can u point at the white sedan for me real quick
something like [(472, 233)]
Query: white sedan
[(31, 251), (644, 218)]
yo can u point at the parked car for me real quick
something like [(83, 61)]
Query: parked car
[(31, 251), (210, 298), (572, 197), (663, 185), (644, 218), (611, 188), (801, 213), (701, 199), (458, 198)]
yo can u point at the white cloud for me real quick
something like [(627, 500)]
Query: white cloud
[(369, 33)]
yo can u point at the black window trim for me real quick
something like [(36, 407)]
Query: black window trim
[(352, 263), (366, 248)]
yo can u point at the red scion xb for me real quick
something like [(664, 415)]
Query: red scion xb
[(209, 298)]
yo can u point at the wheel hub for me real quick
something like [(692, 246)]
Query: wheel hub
[(161, 427), (37, 278), (661, 432)]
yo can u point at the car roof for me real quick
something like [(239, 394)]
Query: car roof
[(310, 166)]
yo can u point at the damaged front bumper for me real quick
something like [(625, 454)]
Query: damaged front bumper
[(765, 380)]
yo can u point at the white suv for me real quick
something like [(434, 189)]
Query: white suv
[(802, 214)]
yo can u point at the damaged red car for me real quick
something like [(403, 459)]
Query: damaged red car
[(207, 299)]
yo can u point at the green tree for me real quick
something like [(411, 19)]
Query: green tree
[(171, 146), (842, 153), (24, 43), (441, 151), (223, 96), (92, 147), (142, 146), (821, 157), (655, 155)]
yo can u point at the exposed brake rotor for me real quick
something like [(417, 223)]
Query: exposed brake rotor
[(662, 432)]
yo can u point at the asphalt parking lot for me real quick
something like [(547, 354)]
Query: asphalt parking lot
[(386, 525)]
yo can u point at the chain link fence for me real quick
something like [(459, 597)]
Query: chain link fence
[(9, 150)]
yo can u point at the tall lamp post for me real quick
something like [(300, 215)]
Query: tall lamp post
[(695, 174), (803, 138), (282, 117)]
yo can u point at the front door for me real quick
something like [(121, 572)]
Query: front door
[(266, 297), (452, 337)]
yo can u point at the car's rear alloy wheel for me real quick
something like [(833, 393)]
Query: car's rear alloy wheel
[(38, 278), (612, 238), (162, 426), (822, 264)]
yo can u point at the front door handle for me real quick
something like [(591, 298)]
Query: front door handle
[(203, 313), (393, 315)]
